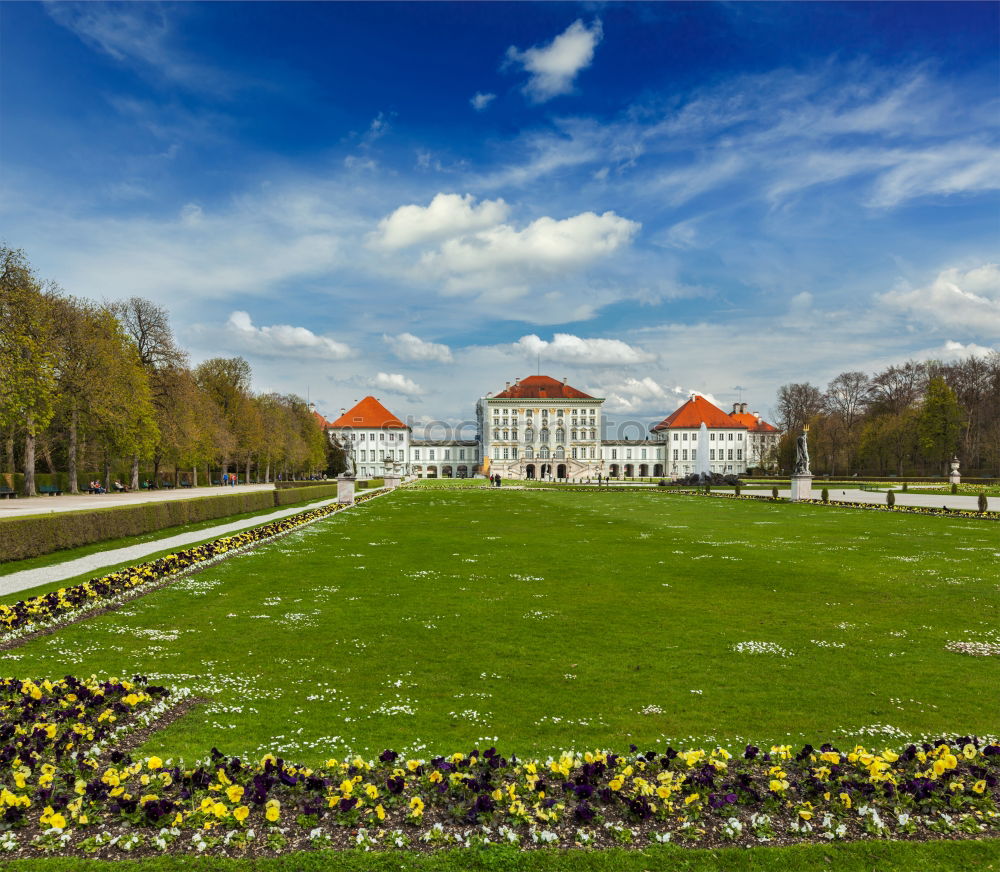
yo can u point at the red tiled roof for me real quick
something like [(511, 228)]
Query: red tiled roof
[(694, 413), (752, 422), (369, 413), (321, 422), (541, 387)]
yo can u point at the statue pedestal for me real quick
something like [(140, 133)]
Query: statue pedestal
[(345, 491), (802, 487), (391, 481)]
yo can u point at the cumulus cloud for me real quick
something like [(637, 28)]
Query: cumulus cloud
[(504, 255), (553, 67), (567, 348), (283, 340), (406, 346), (956, 300), (646, 396), (397, 383), (447, 215), (480, 101)]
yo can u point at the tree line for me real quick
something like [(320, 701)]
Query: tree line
[(908, 419), (98, 391)]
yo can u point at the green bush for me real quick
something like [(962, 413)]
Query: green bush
[(825, 496), (904, 486), (774, 493), (286, 496), (41, 534), (983, 503), (890, 499), (954, 488)]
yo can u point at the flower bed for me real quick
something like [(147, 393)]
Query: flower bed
[(70, 603), (63, 789)]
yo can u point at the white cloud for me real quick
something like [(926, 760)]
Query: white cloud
[(480, 101), (406, 346), (646, 396), (281, 340), (554, 66), (968, 301), (505, 257), (447, 215), (567, 348), (397, 383)]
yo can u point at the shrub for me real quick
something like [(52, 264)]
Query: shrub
[(708, 488), (904, 486), (954, 488), (774, 493), (890, 499), (825, 495), (738, 489), (286, 496), (983, 502), (33, 535)]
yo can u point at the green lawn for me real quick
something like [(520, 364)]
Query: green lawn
[(431, 621), (858, 857)]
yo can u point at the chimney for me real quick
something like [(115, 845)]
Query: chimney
[(343, 411), (506, 386), (736, 408), (564, 380), (743, 408)]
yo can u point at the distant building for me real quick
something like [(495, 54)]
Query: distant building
[(542, 428)]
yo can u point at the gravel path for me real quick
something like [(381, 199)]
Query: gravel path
[(29, 578), (76, 502)]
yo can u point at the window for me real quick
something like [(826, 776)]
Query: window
[(362, 437), (675, 454), (381, 436), (559, 413), (711, 454), (643, 453), (513, 452), (431, 454), (506, 434), (496, 453), (506, 454), (711, 437), (447, 454), (461, 454), (730, 454), (614, 453), (573, 434), (529, 453), (730, 437), (416, 454), (591, 453), (528, 435), (676, 437), (694, 453), (739, 453), (685, 437), (684, 454)]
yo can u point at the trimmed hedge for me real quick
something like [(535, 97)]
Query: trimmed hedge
[(286, 496), (34, 535)]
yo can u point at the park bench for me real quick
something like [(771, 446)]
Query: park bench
[(7, 493), (50, 490), (167, 485), (186, 484)]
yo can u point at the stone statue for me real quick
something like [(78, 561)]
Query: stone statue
[(802, 454), (350, 472)]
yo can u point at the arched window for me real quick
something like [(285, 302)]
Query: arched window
[(529, 435), (574, 435), (560, 435), (543, 452), (545, 434), (560, 452), (529, 453)]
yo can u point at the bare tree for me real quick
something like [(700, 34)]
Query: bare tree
[(797, 403)]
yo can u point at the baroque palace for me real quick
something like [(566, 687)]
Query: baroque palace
[(540, 427)]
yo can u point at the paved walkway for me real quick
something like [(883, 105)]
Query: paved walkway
[(29, 578), (74, 502), (903, 498)]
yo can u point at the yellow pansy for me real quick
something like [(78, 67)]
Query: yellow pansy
[(416, 806), (969, 752), (380, 812), (979, 786), (235, 793), (241, 812), (154, 763)]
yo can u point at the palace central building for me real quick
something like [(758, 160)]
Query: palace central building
[(542, 428)]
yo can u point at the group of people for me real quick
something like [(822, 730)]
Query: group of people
[(95, 487), (229, 478), (495, 480)]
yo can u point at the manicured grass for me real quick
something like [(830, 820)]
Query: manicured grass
[(431, 621), (57, 557), (856, 857)]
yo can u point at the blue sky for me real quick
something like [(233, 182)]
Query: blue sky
[(421, 201)]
